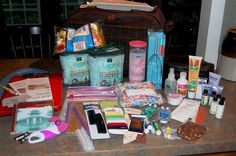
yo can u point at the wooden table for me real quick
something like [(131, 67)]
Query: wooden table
[(220, 136)]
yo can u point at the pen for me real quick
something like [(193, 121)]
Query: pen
[(9, 90)]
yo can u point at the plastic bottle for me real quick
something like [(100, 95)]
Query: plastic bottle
[(220, 108), (170, 82), (204, 99), (182, 84), (213, 105), (213, 93), (137, 60)]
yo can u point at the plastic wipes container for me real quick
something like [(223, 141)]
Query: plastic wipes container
[(137, 60), (75, 67), (106, 65)]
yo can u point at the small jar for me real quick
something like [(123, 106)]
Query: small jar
[(137, 60)]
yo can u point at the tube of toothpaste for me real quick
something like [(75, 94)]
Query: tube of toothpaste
[(214, 79)]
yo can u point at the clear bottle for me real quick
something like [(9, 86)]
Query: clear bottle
[(220, 108), (182, 84), (170, 82)]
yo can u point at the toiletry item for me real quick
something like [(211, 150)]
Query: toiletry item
[(137, 60), (170, 82), (182, 84), (154, 66), (214, 79), (213, 105), (164, 115), (201, 82), (204, 99), (174, 99), (220, 108), (213, 93), (194, 68), (156, 47), (156, 127)]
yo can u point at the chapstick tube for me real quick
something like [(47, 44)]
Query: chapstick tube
[(193, 74)]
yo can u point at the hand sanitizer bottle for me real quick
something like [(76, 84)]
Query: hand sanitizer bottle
[(170, 82)]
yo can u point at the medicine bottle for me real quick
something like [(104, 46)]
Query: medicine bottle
[(182, 84), (204, 99), (137, 60), (214, 105), (213, 93), (220, 108), (170, 82)]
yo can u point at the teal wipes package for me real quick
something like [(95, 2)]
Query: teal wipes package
[(106, 66), (79, 39), (75, 68)]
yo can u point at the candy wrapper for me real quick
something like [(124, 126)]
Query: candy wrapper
[(97, 34), (138, 94), (60, 38)]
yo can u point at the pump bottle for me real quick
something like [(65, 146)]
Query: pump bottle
[(170, 82)]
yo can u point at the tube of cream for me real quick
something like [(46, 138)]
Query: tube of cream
[(214, 79), (193, 74)]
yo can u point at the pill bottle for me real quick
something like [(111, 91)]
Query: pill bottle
[(137, 60), (182, 84)]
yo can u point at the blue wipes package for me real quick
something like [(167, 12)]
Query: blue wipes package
[(106, 66), (79, 39), (75, 68)]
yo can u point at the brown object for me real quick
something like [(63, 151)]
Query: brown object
[(73, 120), (121, 26), (229, 44), (141, 138), (191, 131)]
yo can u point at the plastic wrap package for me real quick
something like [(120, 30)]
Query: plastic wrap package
[(138, 94), (79, 39), (191, 131), (106, 65), (75, 68)]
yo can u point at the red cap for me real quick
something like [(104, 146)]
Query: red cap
[(138, 44)]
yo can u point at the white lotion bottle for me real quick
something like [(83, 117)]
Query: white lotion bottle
[(182, 84)]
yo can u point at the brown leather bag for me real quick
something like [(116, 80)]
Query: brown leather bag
[(121, 26)]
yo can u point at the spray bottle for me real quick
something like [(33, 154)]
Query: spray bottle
[(170, 82)]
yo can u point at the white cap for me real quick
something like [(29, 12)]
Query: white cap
[(171, 74), (183, 75)]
